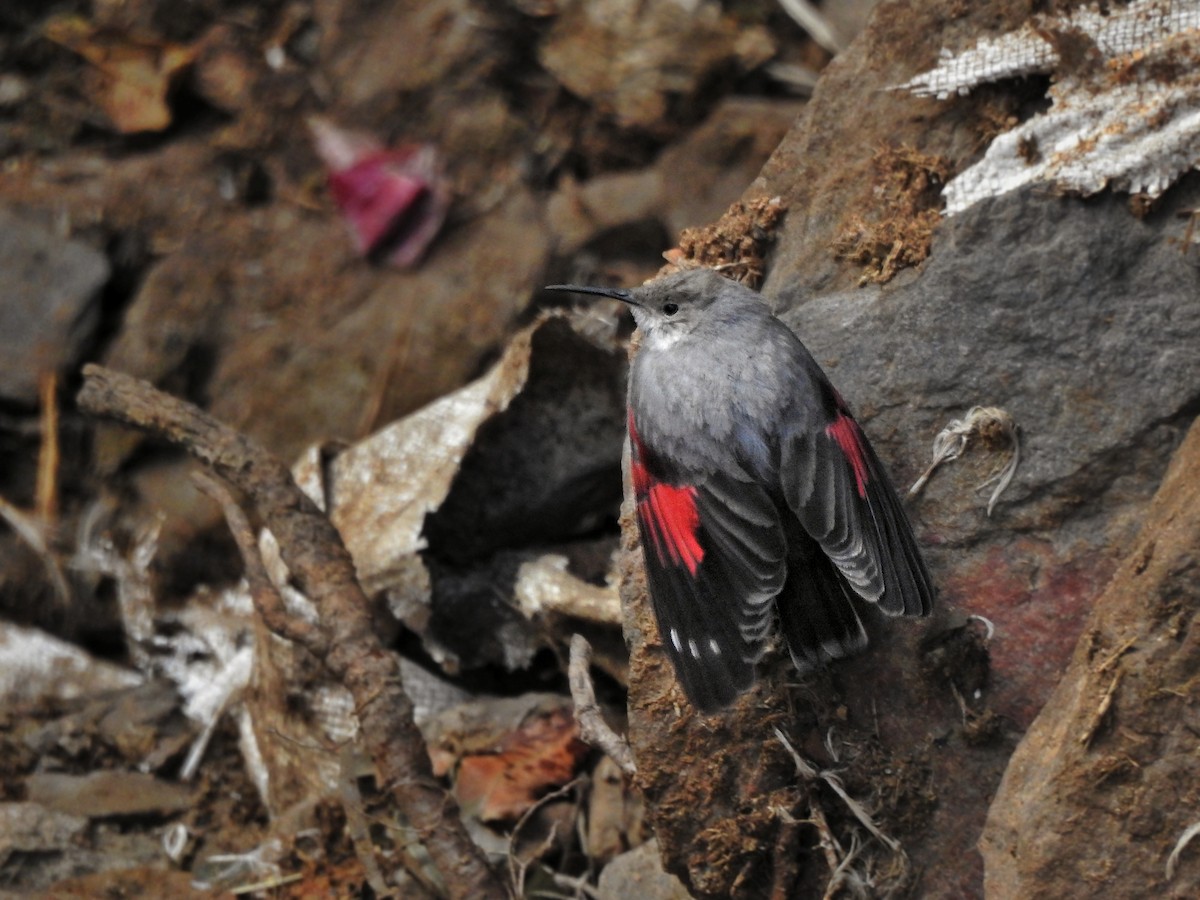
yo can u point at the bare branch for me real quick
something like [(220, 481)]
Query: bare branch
[(592, 727), (318, 560), (266, 598)]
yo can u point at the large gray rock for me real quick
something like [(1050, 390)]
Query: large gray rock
[(49, 287), (1081, 321)]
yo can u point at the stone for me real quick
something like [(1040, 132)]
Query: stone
[(1117, 743), (716, 160), (30, 827), (639, 65), (51, 288), (107, 793), (639, 873)]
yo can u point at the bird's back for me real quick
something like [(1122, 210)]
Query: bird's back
[(738, 381)]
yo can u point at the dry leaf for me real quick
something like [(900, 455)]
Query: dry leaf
[(131, 76), (505, 754)]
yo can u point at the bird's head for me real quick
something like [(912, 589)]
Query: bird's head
[(671, 307)]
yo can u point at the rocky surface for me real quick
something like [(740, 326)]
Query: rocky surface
[(1025, 304), (1101, 792), (51, 288)]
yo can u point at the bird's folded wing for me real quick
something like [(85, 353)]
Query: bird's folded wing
[(838, 489), (715, 559)]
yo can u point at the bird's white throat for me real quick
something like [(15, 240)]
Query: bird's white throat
[(662, 337)]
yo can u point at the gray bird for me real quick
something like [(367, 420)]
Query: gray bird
[(758, 495)]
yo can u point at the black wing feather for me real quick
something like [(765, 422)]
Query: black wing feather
[(714, 621), (816, 608), (857, 519)]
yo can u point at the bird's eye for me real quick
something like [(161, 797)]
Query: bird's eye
[(669, 309)]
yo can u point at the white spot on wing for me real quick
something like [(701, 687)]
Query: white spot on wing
[(714, 647), (675, 640), (695, 650)]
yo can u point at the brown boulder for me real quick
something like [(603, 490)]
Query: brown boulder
[(1104, 784)]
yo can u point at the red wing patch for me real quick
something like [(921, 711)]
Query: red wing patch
[(849, 437), (670, 513), (667, 513)]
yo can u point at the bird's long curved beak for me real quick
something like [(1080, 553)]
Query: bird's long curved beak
[(625, 296)]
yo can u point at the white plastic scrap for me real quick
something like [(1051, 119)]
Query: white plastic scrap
[(1123, 32), (35, 666), (1131, 121), (175, 840), (210, 659), (227, 868)]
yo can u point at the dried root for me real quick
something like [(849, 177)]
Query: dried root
[(990, 424)]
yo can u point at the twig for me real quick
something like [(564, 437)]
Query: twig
[(808, 770), (1116, 655), (357, 825), (579, 885), (1184, 839), (266, 598), (261, 887), (516, 867), (811, 20), (31, 532), (592, 727), (1102, 709), (785, 843), (324, 571), (48, 453), (34, 528), (830, 845), (799, 80)]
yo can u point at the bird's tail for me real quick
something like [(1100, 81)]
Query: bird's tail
[(817, 608)]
